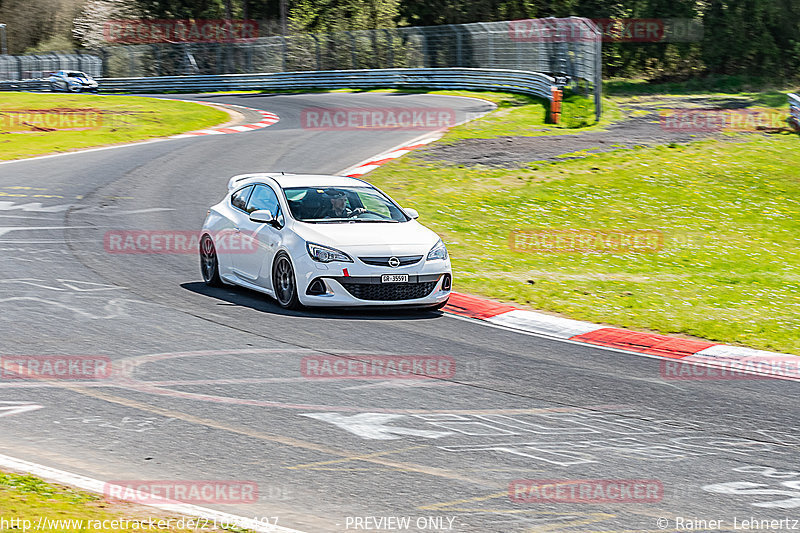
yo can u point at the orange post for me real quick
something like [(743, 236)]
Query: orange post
[(555, 106)]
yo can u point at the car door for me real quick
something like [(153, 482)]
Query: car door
[(236, 215), (254, 263)]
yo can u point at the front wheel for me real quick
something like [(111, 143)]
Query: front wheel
[(209, 264), (283, 282)]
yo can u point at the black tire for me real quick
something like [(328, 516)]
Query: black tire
[(284, 283), (209, 264)]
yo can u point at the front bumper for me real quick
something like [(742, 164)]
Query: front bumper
[(357, 284), (80, 86)]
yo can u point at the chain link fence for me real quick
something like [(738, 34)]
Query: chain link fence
[(564, 51), (15, 68), (569, 48)]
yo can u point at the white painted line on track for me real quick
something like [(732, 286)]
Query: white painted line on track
[(62, 154), (99, 487), (401, 149), (425, 138)]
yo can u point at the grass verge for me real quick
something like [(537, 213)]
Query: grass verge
[(36, 124), (729, 212), (525, 116), (722, 84), (26, 501)]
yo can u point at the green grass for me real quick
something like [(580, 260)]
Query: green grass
[(729, 210), (111, 119), (24, 497), (762, 91), (525, 116)]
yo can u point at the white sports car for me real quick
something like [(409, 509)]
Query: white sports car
[(72, 81), (310, 240)]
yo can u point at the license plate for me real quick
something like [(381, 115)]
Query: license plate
[(394, 278)]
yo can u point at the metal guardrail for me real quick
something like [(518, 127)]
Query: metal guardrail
[(24, 85), (516, 81), (794, 109)]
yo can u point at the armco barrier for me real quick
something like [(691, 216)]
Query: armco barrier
[(24, 85), (515, 81)]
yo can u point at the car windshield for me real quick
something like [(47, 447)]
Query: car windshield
[(76, 75), (330, 205)]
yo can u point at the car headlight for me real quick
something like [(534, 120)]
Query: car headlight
[(323, 254), (439, 251)]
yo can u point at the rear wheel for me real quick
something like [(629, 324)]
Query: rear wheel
[(209, 264), (283, 282)]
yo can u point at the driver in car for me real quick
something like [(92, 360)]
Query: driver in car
[(338, 209)]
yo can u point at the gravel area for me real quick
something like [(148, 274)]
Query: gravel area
[(641, 127)]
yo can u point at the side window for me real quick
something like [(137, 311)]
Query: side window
[(264, 197), (239, 198)]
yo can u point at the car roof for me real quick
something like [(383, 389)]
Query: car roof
[(298, 180)]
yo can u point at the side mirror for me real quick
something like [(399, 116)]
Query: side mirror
[(413, 213), (263, 216)]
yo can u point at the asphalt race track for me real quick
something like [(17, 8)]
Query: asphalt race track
[(211, 388)]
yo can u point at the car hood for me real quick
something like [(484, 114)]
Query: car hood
[(379, 237)]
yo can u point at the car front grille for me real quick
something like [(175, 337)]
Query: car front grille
[(405, 260), (390, 291)]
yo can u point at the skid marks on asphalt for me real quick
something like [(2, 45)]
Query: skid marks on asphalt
[(10, 408), (89, 300), (761, 486), (525, 443), (102, 209), (578, 439), (62, 284)]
